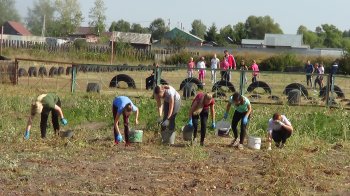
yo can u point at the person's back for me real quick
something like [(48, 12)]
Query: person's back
[(214, 63)]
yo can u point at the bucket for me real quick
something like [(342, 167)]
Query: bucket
[(187, 133), (254, 143), (223, 128), (135, 136), (168, 137)]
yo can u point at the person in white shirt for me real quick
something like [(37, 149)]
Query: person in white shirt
[(201, 69), (279, 130), (321, 73), (215, 63)]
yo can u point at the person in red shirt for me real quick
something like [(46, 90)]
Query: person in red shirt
[(231, 61), (224, 69), (255, 69), (200, 109), (190, 66)]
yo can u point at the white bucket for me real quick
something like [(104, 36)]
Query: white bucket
[(254, 143), (168, 137)]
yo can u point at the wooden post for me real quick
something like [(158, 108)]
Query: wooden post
[(112, 49), (2, 32)]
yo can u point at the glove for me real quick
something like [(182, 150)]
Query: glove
[(165, 123), (225, 115), (118, 138), (190, 123), (64, 121), (213, 125), (26, 135), (245, 120)]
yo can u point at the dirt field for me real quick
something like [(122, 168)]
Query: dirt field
[(94, 166)]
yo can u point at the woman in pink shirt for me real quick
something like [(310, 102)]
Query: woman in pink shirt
[(255, 69), (225, 75), (190, 67)]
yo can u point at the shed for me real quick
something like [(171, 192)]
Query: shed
[(191, 39), (15, 28), (137, 40)]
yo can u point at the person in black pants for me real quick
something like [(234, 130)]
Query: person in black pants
[(200, 110), (280, 129), (44, 104), (243, 109)]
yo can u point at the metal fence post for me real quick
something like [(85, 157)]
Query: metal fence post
[(158, 74), (242, 82), (327, 91), (74, 78)]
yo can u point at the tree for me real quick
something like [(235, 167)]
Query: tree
[(310, 38), (158, 28), (8, 11), (42, 11), (137, 28), (211, 35), (178, 42), (98, 17), (198, 28), (257, 27), (120, 25), (240, 33), (332, 36), (69, 16)]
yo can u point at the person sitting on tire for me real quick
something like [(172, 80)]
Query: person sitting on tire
[(171, 106), (122, 105), (44, 104), (200, 109), (280, 129), (243, 109)]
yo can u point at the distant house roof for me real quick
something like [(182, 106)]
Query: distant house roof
[(178, 32), (15, 28), (284, 40), (253, 42), (133, 38), (84, 31)]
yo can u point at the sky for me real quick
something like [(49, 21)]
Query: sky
[(290, 14)]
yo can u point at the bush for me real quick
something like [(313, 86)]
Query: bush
[(280, 62)]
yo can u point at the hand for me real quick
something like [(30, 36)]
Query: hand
[(165, 123), (225, 115), (279, 122), (190, 123), (245, 120), (64, 121), (213, 125), (26, 135)]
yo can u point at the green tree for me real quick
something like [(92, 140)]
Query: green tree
[(98, 17), (41, 10), (240, 33), (198, 28), (178, 42), (310, 38), (8, 11), (158, 28), (137, 28), (120, 25), (211, 35), (333, 36), (257, 27), (225, 36), (69, 16)]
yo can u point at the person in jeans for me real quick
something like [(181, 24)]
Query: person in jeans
[(309, 69), (44, 104), (215, 63), (279, 130), (225, 75), (171, 107), (317, 78), (243, 109), (190, 67), (255, 69), (200, 110), (244, 67), (321, 74), (232, 63), (122, 105)]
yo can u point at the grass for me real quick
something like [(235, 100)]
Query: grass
[(316, 160)]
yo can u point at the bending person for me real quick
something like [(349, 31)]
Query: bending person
[(44, 104), (280, 129)]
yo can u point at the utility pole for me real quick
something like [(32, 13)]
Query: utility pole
[(2, 32), (44, 27)]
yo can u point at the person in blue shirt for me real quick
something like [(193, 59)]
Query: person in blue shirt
[(334, 70), (309, 69), (243, 109), (122, 105)]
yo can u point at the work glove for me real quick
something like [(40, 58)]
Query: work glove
[(64, 121), (225, 115), (26, 135), (165, 123), (190, 123), (118, 138), (245, 120), (213, 125)]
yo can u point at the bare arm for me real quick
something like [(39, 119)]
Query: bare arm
[(212, 111), (116, 120), (249, 110), (192, 109), (171, 107), (228, 107), (29, 123), (59, 110), (137, 117), (159, 106)]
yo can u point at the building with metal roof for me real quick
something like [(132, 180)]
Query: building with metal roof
[(15, 28), (191, 39), (253, 43), (137, 40), (284, 41)]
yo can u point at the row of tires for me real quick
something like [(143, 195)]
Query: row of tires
[(42, 71), (125, 67), (191, 85)]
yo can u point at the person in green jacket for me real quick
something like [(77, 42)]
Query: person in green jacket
[(44, 104)]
